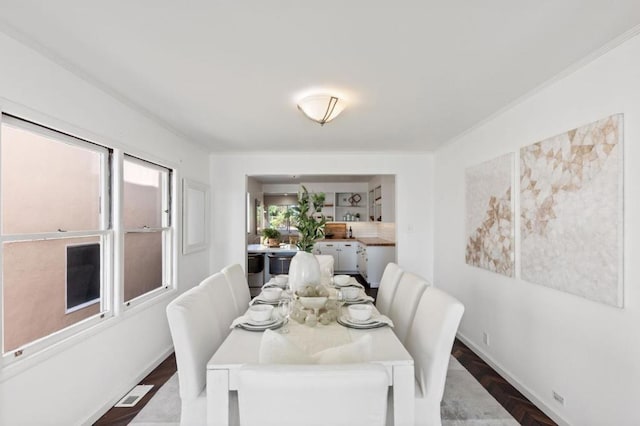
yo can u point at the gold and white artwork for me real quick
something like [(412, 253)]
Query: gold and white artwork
[(489, 215), (571, 211)]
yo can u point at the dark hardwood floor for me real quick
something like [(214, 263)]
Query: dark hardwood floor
[(509, 397), (121, 416)]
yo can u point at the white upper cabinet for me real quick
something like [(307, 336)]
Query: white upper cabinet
[(382, 199)]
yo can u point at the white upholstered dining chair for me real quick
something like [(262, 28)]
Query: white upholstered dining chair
[(195, 340), (388, 285), (429, 342), (405, 302), (326, 267), (221, 301), (313, 395), (237, 281)]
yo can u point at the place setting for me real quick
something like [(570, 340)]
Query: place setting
[(263, 317), (270, 296), (279, 281), (362, 316), (345, 281), (353, 295)]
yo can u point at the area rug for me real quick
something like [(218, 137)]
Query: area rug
[(465, 403)]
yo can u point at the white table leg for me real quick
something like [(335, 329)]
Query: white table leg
[(217, 397), (403, 395)]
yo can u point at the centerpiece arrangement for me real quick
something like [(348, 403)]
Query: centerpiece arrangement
[(304, 270)]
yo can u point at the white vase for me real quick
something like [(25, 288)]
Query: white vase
[(303, 270)]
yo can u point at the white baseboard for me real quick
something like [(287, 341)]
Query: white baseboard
[(127, 387), (515, 383)]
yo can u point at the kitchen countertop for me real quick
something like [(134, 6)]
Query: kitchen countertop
[(259, 248), (368, 241), (374, 241)]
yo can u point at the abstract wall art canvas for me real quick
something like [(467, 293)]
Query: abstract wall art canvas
[(489, 215), (571, 215)]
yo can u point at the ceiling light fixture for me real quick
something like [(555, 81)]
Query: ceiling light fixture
[(321, 108)]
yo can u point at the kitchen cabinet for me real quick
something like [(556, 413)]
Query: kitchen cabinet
[(372, 260), (349, 205), (361, 254), (382, 195), (344, 254)]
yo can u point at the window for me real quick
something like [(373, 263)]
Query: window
[(147, 227), (57, 248), (55, 227), (279, 210)]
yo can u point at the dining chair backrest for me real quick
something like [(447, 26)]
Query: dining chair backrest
[(388, 285), (194, 339), (326, 267), (312, 395), (237, 281), (221, 301), (405, 302), (429, 342)]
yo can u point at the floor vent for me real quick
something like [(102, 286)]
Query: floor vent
[(135, 395)]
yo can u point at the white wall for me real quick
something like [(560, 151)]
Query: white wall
[(542, 338), (73, 382), (414, 197)]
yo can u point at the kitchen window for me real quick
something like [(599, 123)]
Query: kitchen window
[(55, 235)]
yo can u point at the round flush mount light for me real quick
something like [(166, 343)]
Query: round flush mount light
[(321, 108)]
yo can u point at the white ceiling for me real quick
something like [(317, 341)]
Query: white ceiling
[(226, 74)]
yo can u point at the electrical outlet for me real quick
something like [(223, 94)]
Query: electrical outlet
[(558, 397), (485, 338)]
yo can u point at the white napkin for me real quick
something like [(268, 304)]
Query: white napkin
[(278, 349), (240, 320), (383, 319)]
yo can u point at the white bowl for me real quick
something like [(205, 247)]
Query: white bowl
[(281, 280), (341, 279), (350, 293), (360, 312), (313, 302), (271, 293), (259, 313)]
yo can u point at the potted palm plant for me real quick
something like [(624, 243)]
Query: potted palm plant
[(271, 236)]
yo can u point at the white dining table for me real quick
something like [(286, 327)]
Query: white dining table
[(242, 347)]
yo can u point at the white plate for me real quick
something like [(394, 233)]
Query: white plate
[(270, 321), (351, 283), (356, 301), (348, 322), (271, 326)]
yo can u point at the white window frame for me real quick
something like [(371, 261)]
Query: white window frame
[(104, 232), (167, 231)]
